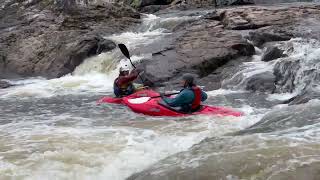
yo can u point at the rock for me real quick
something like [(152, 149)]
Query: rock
[(299, 72), (266, 24), (2, 64), (43, 40), (190, 4), (211, 82), (294, 116), (238, 157), (233, 2), (263, 82), (4, 84), (156, 5), (213, 16), (272, 53), (75, 52), (104, 45), (275, 22), (153, 8), (280, 27), (279, 1), (143, 3), (242, 2), (285, 73), (304, 97), (195, 51), (195, 54), (268, 35), (184, 5)]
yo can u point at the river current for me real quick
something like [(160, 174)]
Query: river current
[(53, 129)]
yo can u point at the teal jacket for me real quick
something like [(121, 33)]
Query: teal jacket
[(184, 99)]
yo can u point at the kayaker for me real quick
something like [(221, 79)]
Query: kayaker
[(123, 84), (190, 97)]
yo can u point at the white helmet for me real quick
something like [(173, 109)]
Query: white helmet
[(124, 68)]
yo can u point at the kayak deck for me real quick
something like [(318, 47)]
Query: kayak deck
[(153, 108), (115, 100)]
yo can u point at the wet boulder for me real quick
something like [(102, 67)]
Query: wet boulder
[(201, 48), (205, 3), (285, 73), (286, 118), (45, 41), (143, 3), (263, 82), (74, 53), (272, 53), (269, 35), (4, 84), (276, 22), (233, 2), (153, 8), (191, 4), (237, 157), (213, 16), (2, 63), (305, 96)]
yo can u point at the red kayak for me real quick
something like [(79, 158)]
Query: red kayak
[(141, 102), (139, 94)]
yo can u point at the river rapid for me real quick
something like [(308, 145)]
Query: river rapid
[(53, 129)]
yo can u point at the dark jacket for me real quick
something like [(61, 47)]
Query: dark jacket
[(184, 99)]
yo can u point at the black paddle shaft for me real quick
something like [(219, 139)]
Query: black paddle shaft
[(166, 95), (126, 53)]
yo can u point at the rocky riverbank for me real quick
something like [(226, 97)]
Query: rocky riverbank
[(45, 38), (212, 45)]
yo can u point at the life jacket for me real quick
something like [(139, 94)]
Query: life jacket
[(197, 98), (123, 90)]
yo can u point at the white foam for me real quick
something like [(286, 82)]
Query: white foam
[(39, 88), (281, 96), (248, 69), (106, 152), (223, 92)]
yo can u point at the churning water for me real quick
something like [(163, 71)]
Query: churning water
[(53, 129)]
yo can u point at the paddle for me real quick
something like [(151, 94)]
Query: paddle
[(165, 95), (146, 99), (126, 53)]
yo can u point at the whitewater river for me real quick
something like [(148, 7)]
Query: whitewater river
[(53, 129)]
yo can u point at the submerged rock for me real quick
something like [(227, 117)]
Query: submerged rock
[(238, 157), (272, 53), (263, 82), (286, 118), (304, 97), (285, 72), (233, 2), (4, 84)]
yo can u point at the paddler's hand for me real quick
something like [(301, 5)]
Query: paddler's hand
[(142, 88)]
